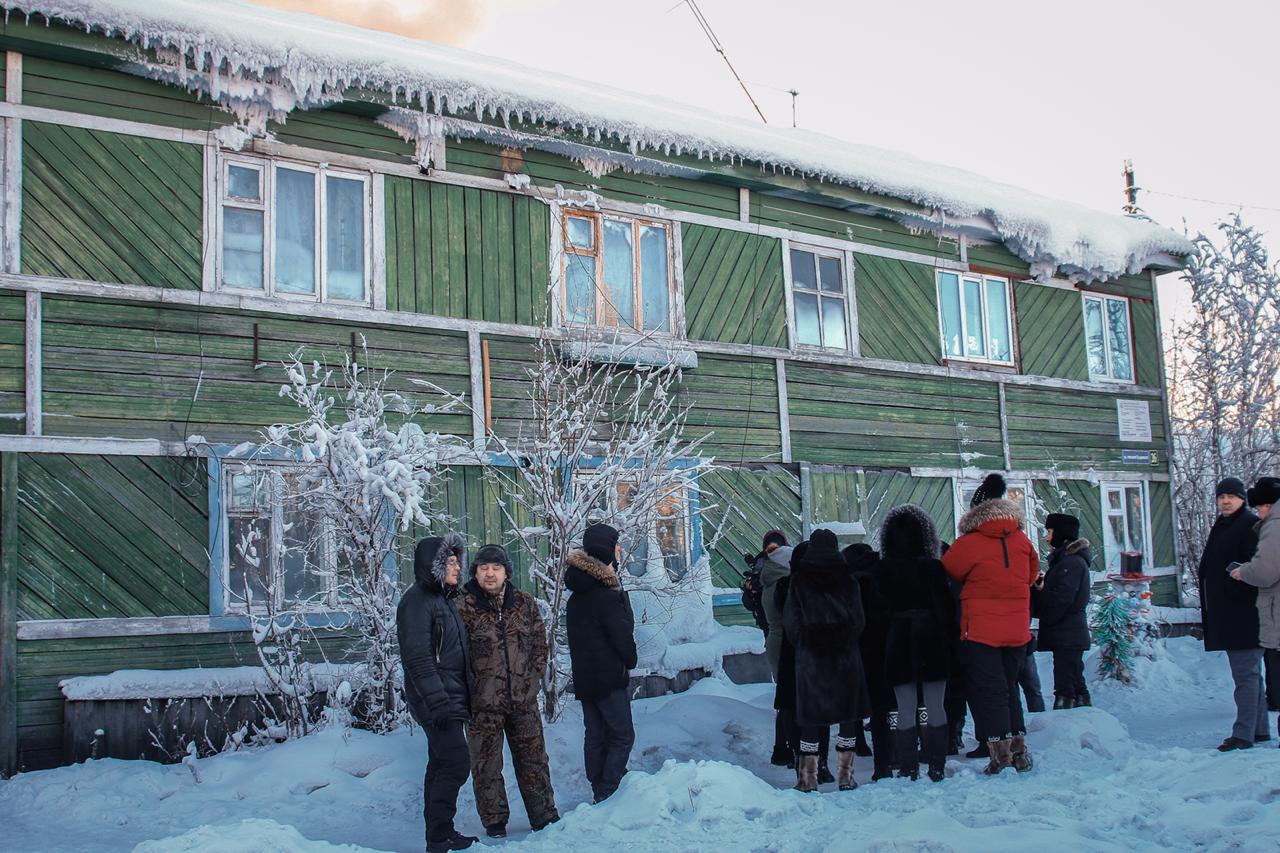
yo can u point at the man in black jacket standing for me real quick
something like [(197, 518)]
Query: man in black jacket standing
[(602, 649), (1229, 611), (438, 682)]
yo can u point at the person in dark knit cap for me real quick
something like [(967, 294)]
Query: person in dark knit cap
[(1059, 600), (602, 650)]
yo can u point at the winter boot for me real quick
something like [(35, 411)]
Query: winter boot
[(980, 751), (936, 739), (1019, 755), (497, 830), (1001, 755), (882, 750), (824, 772), (908, 743), (457, 841), (955, 738), (860, 748), (1083, 700), (807, 773), (844, 769), (1061, 703), (782, 756)]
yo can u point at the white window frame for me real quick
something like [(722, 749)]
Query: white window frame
[(563, 250), (982, 279), (1028, 501), (1145, 493), (267, 169), (270, 550), (846, 297), (1104, 298)]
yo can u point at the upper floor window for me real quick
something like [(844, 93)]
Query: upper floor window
[(976, 320), (294, 230), (1108, 338), (818, 295), (617, 272)]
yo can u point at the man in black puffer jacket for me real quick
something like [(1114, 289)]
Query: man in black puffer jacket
[(602, 650), (1059, 600), (438, 683)]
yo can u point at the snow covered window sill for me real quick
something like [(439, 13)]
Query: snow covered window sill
[(651, 353)]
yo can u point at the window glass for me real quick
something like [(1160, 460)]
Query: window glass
[(244, 182), (580, 289), (829, 274), (975, 339), (949, 285), (1095, 344), (344, 247), (833, 323), (803, 273), (1118, 339), (301, 573), (998, 320), (1134, 521), (242, 248), (295, 216), (807, 330), (582, 232), (619, 272), (249, 560), (655, 287)]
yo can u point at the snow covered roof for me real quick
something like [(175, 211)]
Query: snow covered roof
[(268, 62)]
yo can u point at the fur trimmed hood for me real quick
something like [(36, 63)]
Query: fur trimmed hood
[(907, 532), (993, 510), (1077, 546), (432, 555), (584, 571)]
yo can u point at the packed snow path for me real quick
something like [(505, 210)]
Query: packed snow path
[(1136, 772)]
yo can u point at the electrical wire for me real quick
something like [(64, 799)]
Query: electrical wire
[(715, 43), (1233, 204)]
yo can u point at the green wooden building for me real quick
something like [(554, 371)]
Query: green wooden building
[(167, 240)]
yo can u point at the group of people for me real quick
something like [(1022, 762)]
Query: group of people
[(908, 636), (474, 656), (1239, 576)]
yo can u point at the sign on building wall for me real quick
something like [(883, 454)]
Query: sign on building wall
[(1134, 419)]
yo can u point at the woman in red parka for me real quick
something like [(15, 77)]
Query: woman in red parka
[(997, 564)]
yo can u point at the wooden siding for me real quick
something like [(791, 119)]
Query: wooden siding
[(1051, 331), (110, 207), (342, 131), (1146, 344), (839, 494), (1136, 286), (1162, 525), (111, 94), (473, 505), (112, 536), (13, 337), (897, 310), (1081, 499), (1075, 429), (849, 416), (733, 287), (132, 370), (467, 253), (739, 505), (997, 258), (842, 224)]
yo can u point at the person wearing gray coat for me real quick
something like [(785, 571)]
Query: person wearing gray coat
[(1263, 571)]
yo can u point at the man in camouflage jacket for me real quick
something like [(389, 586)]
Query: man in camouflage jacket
[(508, 643)]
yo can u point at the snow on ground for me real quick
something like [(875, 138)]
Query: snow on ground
[(1136, 772)]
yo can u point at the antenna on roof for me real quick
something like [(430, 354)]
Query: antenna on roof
[(794, 94), (1130, 191), (715, 42)]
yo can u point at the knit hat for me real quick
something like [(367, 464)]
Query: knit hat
[(774, 537), (491, 554), (823, 543), (992, 487), (601, 541), (1063, 528), (1265, 491), (1231, 486)]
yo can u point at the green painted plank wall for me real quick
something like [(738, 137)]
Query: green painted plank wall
[(846, 225), (1162, 525), (850, 416), (466, 253), (1051, 331), (1136, 286), (112, 536), (740, 505), (997, 258), (134, 370), (897, 310), (109, 207), (840, 494), (1075, 429), (1146, 343), (13, 348), (474, 503), (735, 400), (344, 132), (733, 287), (113, 94), (1081, 499)]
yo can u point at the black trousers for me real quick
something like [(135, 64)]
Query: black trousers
[(1068, 673), (448, 766), (608, 738), (992, 677), (1271, 661), (1029, 677)]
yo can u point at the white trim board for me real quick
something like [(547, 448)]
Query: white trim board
[(1092, 476)]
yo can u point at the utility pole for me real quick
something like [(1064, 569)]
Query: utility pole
[(1130, 190)]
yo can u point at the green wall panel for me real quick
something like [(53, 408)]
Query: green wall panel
[(735, 400), (110, 207), (733, 287), (1146, 344), (839, 494), (1138, 286), (1075, 429), (848, 416), (997, 258), (829, 221), (344, 132), (133, 370), (1162, 529), (1081, 499), (1050, 327), (466, 253), (897, 310), (740, 505), (112, 536), (13, 307)]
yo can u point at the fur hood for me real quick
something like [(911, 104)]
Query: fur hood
[(1077, 546), (585, 571), (908, 532), (992, 510), (432, 556)]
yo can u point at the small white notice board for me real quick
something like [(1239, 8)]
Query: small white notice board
[(1134, 420)]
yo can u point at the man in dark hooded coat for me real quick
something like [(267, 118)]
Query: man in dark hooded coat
[(1059, 600), (438, 683)]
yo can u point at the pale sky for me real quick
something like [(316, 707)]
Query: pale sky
[(1051, 97)]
